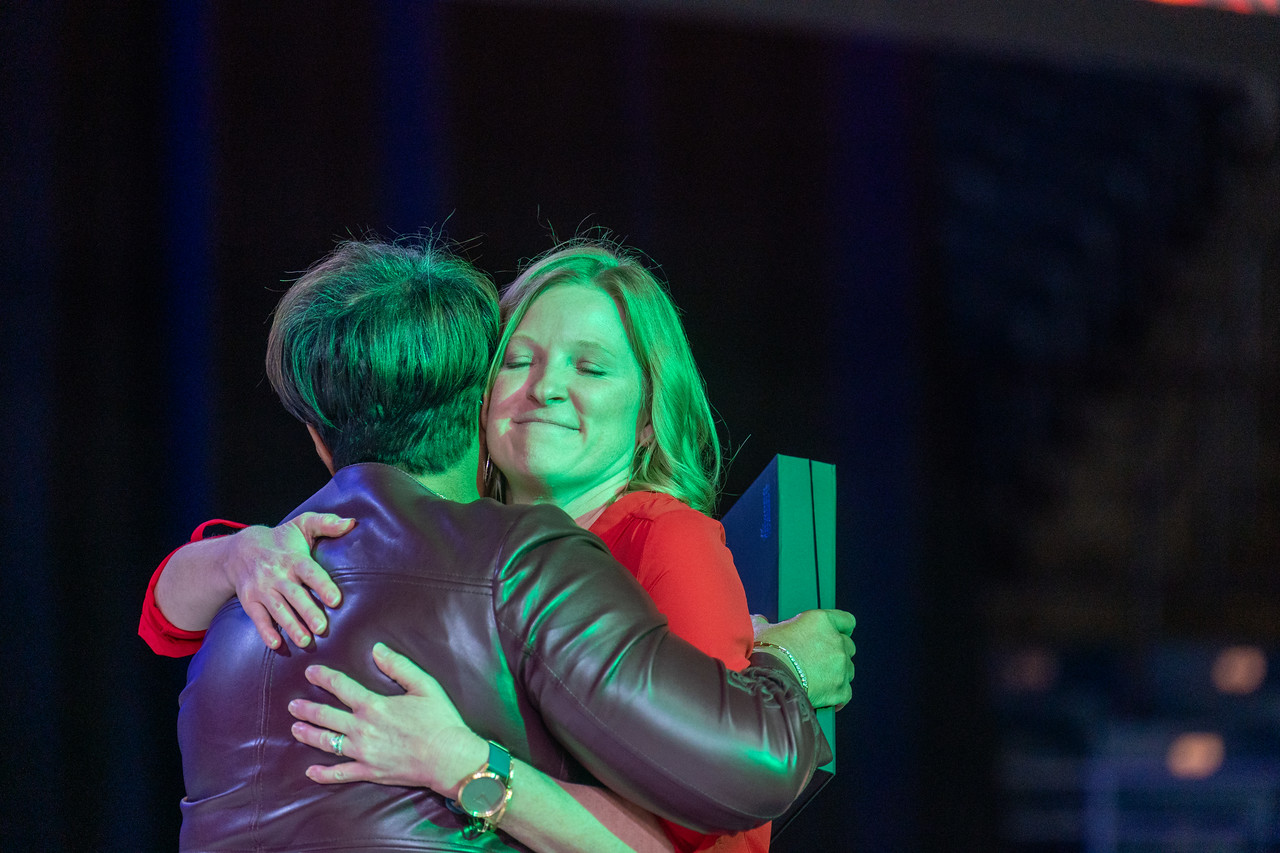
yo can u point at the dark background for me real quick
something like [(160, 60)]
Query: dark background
[(1016, 278)]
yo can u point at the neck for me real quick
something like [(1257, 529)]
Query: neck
[(457, 483), (583, 505)]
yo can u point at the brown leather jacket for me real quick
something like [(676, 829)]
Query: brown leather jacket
[(546, 645)]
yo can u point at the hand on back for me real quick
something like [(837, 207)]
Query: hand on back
[(416, 738), (275, 577)]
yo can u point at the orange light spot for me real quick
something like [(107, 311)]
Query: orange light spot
[(1195, 755), (1239, 670)]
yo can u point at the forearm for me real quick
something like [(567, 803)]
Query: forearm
[(712, 755), (546, 814), (418, 739), (554, 816), (192, 587), (712, 750), (714, 774)]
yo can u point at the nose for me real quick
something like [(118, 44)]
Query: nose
[(547, 385)]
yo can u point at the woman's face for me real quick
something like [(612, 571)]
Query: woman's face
[(564, 411)]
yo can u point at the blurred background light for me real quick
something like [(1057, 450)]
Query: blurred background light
[(1239, 670), (1195, 755), (1031, 670)]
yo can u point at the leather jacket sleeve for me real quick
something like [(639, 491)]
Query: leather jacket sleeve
[(662, 724)]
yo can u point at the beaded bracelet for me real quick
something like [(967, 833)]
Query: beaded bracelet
[(804, 682)]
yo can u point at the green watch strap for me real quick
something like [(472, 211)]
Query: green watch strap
[(500, 761)]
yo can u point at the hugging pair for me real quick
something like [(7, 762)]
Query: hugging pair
[(585, 620)]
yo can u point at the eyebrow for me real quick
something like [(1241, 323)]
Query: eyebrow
[(580, 344), (585, 344)]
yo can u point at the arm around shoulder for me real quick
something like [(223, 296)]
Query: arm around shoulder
[(270, 569), (714, 750)]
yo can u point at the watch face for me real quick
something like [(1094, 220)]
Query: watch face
[(481, 796)]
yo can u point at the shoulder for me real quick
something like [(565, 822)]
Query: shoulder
[(544, 520), (402, 525), (661, 512), (655, 534), (648, 532), (539, 534)]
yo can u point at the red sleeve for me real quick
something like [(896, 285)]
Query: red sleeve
[(161, 635), (685, 567)]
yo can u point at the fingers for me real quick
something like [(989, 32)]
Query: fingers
[(842, 620), (336, 774), (322, 739), (291, 605), (837, 696), (845, 697), (310, 573), (313, 526), (325, 717), (283, 615), (403, 671), (345, 688), (273, 569), (845, 693), (317, 525), (264, 623), (298, 605), (834, 698)]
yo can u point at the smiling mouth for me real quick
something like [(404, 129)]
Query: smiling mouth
[(543, 421)]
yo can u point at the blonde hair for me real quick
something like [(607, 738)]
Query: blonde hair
[(683, 458)]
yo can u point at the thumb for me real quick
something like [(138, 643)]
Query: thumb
[(317, 525), (403, 671)]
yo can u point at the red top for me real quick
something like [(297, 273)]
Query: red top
[(679, 556), (676, 553)]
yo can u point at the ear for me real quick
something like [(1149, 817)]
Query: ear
[(644, 434), (322, 449)]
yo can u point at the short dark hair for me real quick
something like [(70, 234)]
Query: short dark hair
[(384, 349)]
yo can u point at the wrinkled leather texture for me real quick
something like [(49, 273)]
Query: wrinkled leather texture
[(544, 643)]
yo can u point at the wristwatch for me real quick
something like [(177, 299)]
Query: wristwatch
[(484, 795)]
